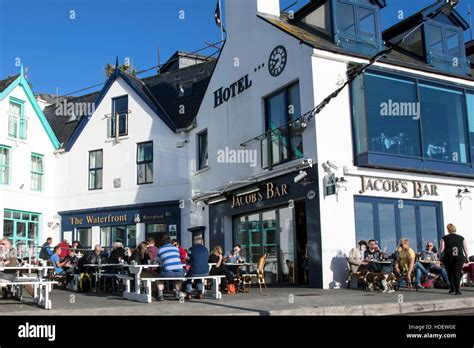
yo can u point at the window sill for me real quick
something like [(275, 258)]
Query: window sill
[(110, 140), (16, 140), (203, 170)]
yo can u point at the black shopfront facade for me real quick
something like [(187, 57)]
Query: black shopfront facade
[(276, 217), (130, 224)]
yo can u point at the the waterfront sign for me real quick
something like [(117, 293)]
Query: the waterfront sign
[(420, 189)]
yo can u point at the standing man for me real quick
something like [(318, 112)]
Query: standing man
[(455, 254), (46, 250), (198, 257)]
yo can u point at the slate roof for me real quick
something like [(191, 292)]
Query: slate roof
[(313, 39), (159, 91), (63, 126), (7, 82)]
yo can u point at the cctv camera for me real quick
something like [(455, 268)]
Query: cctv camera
[(308, 162), (300, 176), (333, 166)]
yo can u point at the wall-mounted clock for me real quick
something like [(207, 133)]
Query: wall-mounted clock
[(277, 61)]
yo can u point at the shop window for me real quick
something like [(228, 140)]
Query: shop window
[(386, 221), (203, 156), (17, 123), (22, 230), (37, 172), (95, 169), (124, 234), (284, 141), (156, 231), (145, 163), (84, 236), (118, 121), (411, 123), (4, 165)]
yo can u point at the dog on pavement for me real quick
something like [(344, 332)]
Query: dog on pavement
[(377, 281)]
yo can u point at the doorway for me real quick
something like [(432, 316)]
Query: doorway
[(301, 236)]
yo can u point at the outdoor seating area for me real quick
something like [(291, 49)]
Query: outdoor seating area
[(141, 274)]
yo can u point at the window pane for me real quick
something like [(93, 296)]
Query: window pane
[(359, 115), (149, 172), (442, 117), (141, 173), (277, 116), (408, 224), (392, 112), (105, 236), (4, 165), (286, 243), (203, 148), (95, 179), (119, 234), (21, 229), (470, 110), (16, 215), (346, 19), (84, 236), (32, 231), (123, 124), (13, 126), (388, 232), (132, 236), (319, 18), (15, 108), (149, 151), (367, 25), (296, 131), (435, 39), (452, 40), (364, 221), (8, 228), (429, 226)]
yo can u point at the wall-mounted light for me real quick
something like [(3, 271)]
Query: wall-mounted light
[(462, 194), (340, 184), (300, 176)]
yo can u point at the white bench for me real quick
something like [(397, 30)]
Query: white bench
[(145, 297), (41, 290)]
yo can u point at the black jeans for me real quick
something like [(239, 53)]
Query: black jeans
[(454, 269)]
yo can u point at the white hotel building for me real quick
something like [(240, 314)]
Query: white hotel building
[(398, 143)]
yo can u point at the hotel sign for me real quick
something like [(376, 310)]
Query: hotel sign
[(269, 191), (420, 189), (222, 94)]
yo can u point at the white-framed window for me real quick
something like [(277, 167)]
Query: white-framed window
[(17, 123), (118, 121)]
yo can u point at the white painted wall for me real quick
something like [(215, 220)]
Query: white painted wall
[(25, 199)]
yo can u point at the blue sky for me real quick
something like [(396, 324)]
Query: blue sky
[(70, 54)]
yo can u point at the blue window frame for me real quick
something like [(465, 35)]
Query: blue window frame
[(444, 45), (357, 26), (403, 122), (387, 220)]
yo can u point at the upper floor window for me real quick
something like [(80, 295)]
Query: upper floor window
[(95, 169), (37, 172), (118, 121), (285, 139), (17, 124), (357, 26), (4, 165), (445, 47), (407, 122), (145, 163), (203, 156), (185, 89)]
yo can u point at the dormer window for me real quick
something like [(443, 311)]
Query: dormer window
[(444, 47), (352, 24)]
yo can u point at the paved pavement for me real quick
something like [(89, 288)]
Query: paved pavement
[(279, 301)]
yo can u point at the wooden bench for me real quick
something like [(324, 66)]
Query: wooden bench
[(41, 290), (145, 296)]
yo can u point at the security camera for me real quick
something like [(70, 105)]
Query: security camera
[(300, 176), (333, 166), (307, 162)]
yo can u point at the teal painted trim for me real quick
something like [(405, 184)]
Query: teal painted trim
[(31, 98), (40, 173), (21, 220), (9, 166)]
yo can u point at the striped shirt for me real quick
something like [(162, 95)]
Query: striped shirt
[(168, 254)]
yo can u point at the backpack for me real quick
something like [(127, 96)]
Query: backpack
[(84, 282)]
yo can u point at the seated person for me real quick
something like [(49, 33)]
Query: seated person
[(93, 257), (430, 254), (219, 268), (55, 260), (356, 257), (406, 263), (197, 257), (171, 267), (117, 254), (71, 259), (374, 254), (469, 269), (235, 257), (7, 259)]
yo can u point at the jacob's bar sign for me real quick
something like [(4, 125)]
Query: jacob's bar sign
[(420, 189), (269, 191)]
